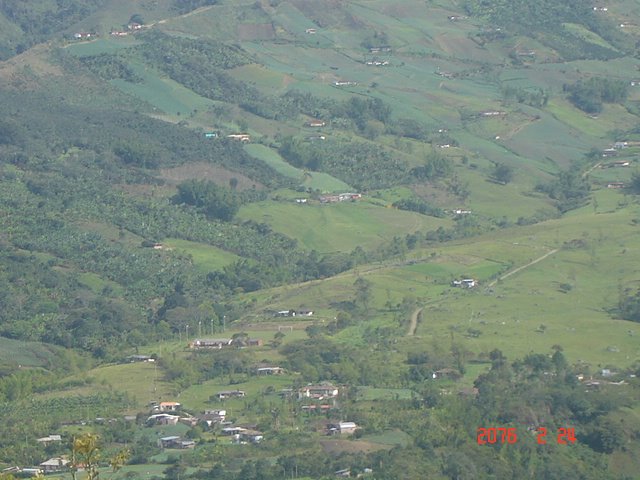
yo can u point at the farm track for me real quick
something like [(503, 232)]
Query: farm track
[(413, 324), (532, 262), (415, 316)]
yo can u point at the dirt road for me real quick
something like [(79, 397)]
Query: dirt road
[(413, 324), (532, 262)]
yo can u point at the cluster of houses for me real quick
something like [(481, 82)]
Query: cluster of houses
[(226, 394), (140, 358), (445, 74), (341, 428), (220, 343), (464, 283), (84, 35), (614, 151), (377, 63), (293, 313), (317, 398), (52, 465), (340, 197), (493, 113), (240, 137), (333, 198), (460, 211), (243, 435), (526, 53), (175, 441), (318, 392), (131, 28)]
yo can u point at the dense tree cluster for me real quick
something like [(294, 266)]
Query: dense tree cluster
[(535, 97), (360, 164), (589, 95), (435, 166), (215, 202), (110, 67), (569, 189), (40, 20), (420, 206)]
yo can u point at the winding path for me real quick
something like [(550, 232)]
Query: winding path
[(413, 324)]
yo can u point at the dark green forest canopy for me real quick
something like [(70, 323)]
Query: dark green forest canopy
[(135, 139)]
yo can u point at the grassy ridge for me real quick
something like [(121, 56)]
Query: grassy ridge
[(338, 227), (528, 311), (205, 257), (314, 180), (19, 354)]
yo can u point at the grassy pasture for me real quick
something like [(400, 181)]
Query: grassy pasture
[(97, 283), (228, 21), (17, 353), (338, 227), (511, 314), (205, 257), (391, 437), (101, 45), (142, 382), (512, 200), (163, 93), (116, 14), (582, 33), (548, 138), (315, 180), (196, 397), (528, 311), (371, 393)]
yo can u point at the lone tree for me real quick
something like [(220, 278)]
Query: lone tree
[(502, 173), (634, 185)]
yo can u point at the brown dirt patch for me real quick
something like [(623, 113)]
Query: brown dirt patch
[(284, 327), (256, 31), (206, 171), (24, 70), (147, 191), (336, 447), (436, 196)]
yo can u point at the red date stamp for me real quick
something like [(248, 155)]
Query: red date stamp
[(502, 435)]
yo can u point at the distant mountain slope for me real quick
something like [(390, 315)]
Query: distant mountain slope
[(400, 106)]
